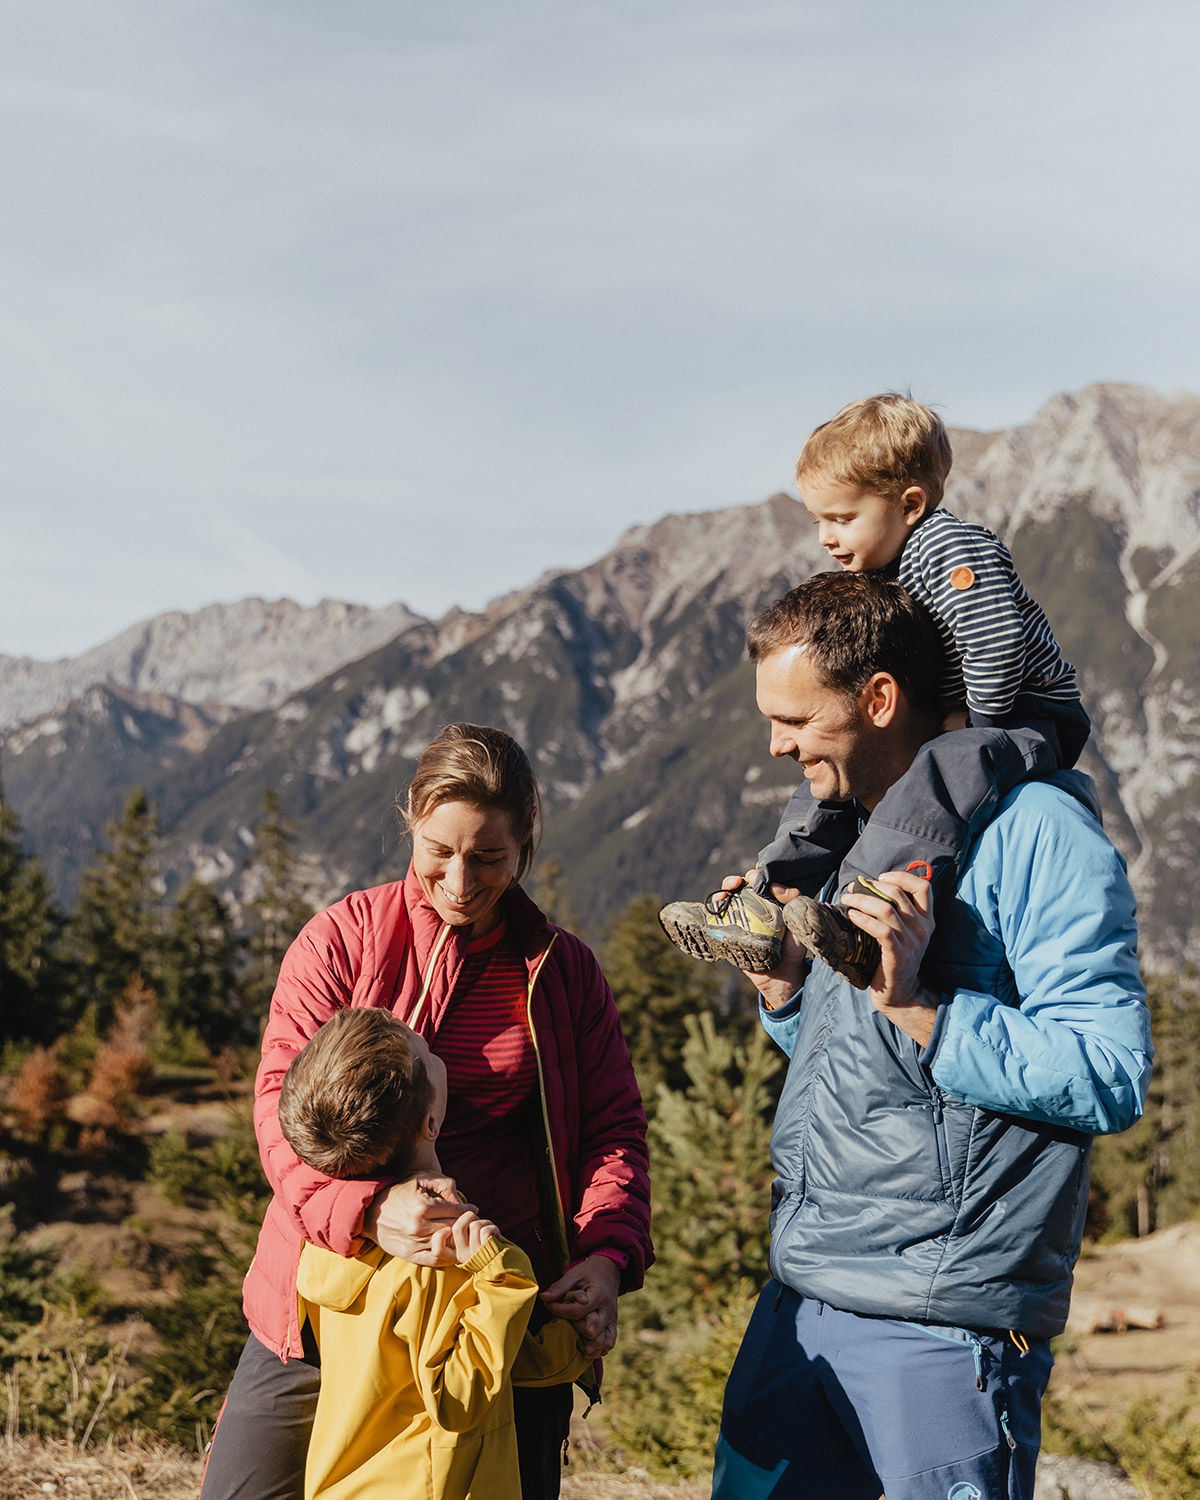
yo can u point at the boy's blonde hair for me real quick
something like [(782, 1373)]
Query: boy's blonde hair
[(882, 444), (354, 1099)]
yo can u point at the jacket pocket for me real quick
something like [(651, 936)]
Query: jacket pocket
[(938, 1107)]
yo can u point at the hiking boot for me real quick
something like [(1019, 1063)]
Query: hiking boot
[(739, 926), (828, 933)]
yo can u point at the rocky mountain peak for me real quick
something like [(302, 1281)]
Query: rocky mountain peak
[(655, 572), (1133, 455), (252, 654), (627, 681)]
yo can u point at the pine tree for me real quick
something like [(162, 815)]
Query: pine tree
[(117, 929), (711, 1152), (200, 991), (39, 1093), (549, 895), (710, 1168), (34, 976), (656, 988), (1149, 1177), (277, 909)]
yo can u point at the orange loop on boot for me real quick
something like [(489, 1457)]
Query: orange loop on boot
[(920, 867)]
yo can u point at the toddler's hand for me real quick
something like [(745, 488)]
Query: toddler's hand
[(470, 1232)]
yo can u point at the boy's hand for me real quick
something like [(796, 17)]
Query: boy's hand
[(414, 1220), (470, 1232)]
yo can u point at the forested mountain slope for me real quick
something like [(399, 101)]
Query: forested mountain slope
[(626, 680)]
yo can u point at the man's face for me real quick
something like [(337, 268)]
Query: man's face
[(824, 732)]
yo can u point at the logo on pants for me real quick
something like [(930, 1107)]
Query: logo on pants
[(964, 1491)]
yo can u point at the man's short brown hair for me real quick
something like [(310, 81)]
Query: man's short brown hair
[(853, 625), (882, 444), (353, 1101)]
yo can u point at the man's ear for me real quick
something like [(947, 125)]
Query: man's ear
[(914, 505), (880, 699), (429, 1127)]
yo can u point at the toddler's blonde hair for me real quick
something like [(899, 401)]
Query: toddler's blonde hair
[(883, 444)]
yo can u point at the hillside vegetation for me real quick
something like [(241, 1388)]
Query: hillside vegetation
[(132, 1191)]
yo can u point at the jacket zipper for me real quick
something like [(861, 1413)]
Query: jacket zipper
[(563, 1246), (939, 1132), (591, 1388), (435, 954)]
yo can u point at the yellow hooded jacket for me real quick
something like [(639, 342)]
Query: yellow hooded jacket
[(417, 1366)]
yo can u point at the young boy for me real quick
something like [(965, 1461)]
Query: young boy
[(873, 479), (417, 1362)]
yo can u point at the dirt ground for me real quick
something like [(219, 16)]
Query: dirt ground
[(1103, 1372), (29, 1470)]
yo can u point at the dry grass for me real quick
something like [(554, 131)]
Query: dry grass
[(29, 1469), (628, 1487)]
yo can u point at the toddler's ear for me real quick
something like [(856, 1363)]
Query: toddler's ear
[(914, 504)]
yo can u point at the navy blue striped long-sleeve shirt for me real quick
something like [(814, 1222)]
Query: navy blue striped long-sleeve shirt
[(998, 642)]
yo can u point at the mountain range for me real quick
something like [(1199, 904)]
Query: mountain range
[(627, 681)]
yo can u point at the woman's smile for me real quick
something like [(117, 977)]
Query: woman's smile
[(465, 858)]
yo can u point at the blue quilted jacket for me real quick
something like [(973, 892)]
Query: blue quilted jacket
[(948, 1184)]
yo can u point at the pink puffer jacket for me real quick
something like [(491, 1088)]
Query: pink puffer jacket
[(384, 947)]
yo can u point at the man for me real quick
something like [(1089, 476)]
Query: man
[(931, 1141)]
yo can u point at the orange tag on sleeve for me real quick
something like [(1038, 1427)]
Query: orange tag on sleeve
[(962, 578)]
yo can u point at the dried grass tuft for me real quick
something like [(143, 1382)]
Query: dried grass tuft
[(30, 1467), (52, 1467)]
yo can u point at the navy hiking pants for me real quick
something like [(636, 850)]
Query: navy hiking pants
[(828, 1405)]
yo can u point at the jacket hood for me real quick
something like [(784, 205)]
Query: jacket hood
[(334, 1281)]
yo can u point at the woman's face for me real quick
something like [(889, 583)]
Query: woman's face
[(465, 858)]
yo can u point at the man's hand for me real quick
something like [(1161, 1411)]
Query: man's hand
[(587, 1296), (469, 1233), (902, 932), (414, 1220)]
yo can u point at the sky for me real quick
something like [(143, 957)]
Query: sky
[(384, 300)]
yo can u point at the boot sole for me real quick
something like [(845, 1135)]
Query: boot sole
[(808, 925), (741, 949)]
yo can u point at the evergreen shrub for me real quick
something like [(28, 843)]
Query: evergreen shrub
[(710, 1171)]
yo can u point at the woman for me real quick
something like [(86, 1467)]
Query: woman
[(545, 1134)]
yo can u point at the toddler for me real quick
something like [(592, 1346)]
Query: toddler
[(873, 479)]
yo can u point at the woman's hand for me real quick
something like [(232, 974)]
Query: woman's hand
[(414, 1220), (587, 1296)]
